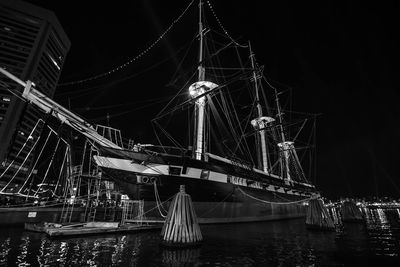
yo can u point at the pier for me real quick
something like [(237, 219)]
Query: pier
[(90, 228)]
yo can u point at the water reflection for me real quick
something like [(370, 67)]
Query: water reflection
[(280, 243), (180, 257), (4, 250), (23, 251), (382, 229)]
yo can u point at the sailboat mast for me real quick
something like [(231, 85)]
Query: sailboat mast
[(260, 122), (199, 138)]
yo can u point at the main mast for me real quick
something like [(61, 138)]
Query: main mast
[(197, 89), (201, 69)]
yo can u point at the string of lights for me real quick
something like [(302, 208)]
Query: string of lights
[(222, 27), (144, 52), (89, 90)]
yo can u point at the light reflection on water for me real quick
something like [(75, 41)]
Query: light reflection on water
[(280, 243), (381, 233)]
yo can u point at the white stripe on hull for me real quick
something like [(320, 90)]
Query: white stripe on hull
[(193, 173)]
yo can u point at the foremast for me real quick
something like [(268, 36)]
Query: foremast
[(196, 91)]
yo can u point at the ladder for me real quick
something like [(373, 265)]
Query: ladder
[(73, 188), (93, 199)]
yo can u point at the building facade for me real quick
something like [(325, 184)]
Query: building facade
[(33, 46)]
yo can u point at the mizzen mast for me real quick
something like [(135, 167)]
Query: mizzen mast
[(286, 147)]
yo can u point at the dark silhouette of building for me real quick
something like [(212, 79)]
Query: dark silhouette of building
[(33, 46)]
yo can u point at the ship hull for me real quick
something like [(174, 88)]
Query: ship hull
[(214, 202)]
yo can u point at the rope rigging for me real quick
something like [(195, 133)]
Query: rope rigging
[(144, 52), (22, 148), (222, 27), (88, 90), (158, 202), (23, 190)]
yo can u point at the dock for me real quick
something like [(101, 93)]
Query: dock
[(89, 228)]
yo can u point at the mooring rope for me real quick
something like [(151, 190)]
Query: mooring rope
[(277, 203), (157, 197), (213, 208), (158, 203), (161, 204)]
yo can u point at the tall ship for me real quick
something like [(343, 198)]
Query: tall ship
[(235, 153), (264, 182)]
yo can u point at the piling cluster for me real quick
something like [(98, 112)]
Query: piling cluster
[(318, 216), (350, 212), (181, 227)]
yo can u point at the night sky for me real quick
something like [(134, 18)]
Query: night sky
[(340, 60)]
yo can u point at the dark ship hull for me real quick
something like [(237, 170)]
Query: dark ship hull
[(221, 191)]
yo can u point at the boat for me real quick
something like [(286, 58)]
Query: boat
[(223, 189), (242, 184)]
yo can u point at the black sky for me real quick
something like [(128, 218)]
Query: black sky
[(340, 59)]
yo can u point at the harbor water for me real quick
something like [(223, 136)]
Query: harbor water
[(375, 242)]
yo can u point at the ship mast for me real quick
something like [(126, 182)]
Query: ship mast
[(201, 69), (284, 146), (199, 138), (197, 91), (261, 122)]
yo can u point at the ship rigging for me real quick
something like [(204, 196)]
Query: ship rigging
[(239, 177)]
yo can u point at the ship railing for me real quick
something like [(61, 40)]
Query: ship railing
[(112, 134), (170, 150)]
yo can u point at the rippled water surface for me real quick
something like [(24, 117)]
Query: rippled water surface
[(282, 243)]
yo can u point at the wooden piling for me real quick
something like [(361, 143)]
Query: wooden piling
[(318, 216), (350, 212), (181, 227)]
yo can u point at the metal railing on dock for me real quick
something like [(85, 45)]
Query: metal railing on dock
[(132, 211)]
